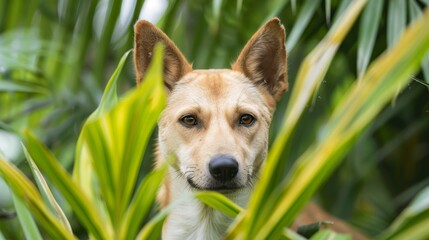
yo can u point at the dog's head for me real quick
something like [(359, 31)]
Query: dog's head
[(216, 122)]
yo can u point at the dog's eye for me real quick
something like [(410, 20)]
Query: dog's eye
[(246, 120), (189, 121)]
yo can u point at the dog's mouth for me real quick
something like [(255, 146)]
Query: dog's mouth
[(223, 187)]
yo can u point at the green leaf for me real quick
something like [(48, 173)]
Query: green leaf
[(24, 189), (110, 96), (415, 12), (328, 11), (26, 220), (289, 234), (368, 97), (368, 27), (142, 202), (396, 21), (293, 5), (341, 9), (330, 235), (15, 86), (114, 142), (88, 214), (47, 195), (219, 202), (378, 86), (310, 75), (413, 221), (302, 21), (83, 170)]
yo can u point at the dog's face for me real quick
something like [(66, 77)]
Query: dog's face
[(216, 122)]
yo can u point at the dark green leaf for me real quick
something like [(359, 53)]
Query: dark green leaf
[(27, 222)]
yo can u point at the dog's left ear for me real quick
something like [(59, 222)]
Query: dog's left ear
[(263, 59)]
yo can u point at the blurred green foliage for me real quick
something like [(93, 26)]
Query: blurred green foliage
[(55, 58)]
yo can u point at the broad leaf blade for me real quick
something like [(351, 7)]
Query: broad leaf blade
[(142, 202), (27, 192), (114, 142), (83, 169), (219, 202), (47, 195), (85, 210)]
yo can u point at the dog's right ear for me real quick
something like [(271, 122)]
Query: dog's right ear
[(145, 38)]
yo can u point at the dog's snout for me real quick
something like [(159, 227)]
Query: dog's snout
[(223, 168)]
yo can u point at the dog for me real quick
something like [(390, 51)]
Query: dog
[(215, 124)]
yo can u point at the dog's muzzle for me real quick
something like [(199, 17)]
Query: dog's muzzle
[(223, 171), (223, 168)]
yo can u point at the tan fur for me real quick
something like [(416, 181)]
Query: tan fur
[(217, 97), (146, 36)]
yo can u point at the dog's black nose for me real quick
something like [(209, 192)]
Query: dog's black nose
[(223, 168)]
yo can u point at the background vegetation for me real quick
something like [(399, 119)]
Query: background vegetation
[(56, 58)]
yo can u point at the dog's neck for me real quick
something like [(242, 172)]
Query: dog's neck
[(193, 219)]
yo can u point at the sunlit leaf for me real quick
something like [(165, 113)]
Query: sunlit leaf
[(291, 235), (83, 169), (46, 193), (330, 235), (377, 87), (27, 193), (219, 202), (310, 75), (110, 97), (87, 213), (142, 202), (114, 142)]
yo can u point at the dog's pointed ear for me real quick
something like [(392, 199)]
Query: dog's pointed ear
[(145, 38), (263, 59)]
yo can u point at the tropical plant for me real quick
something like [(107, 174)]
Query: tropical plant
[(48, 68), (102, 194)]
